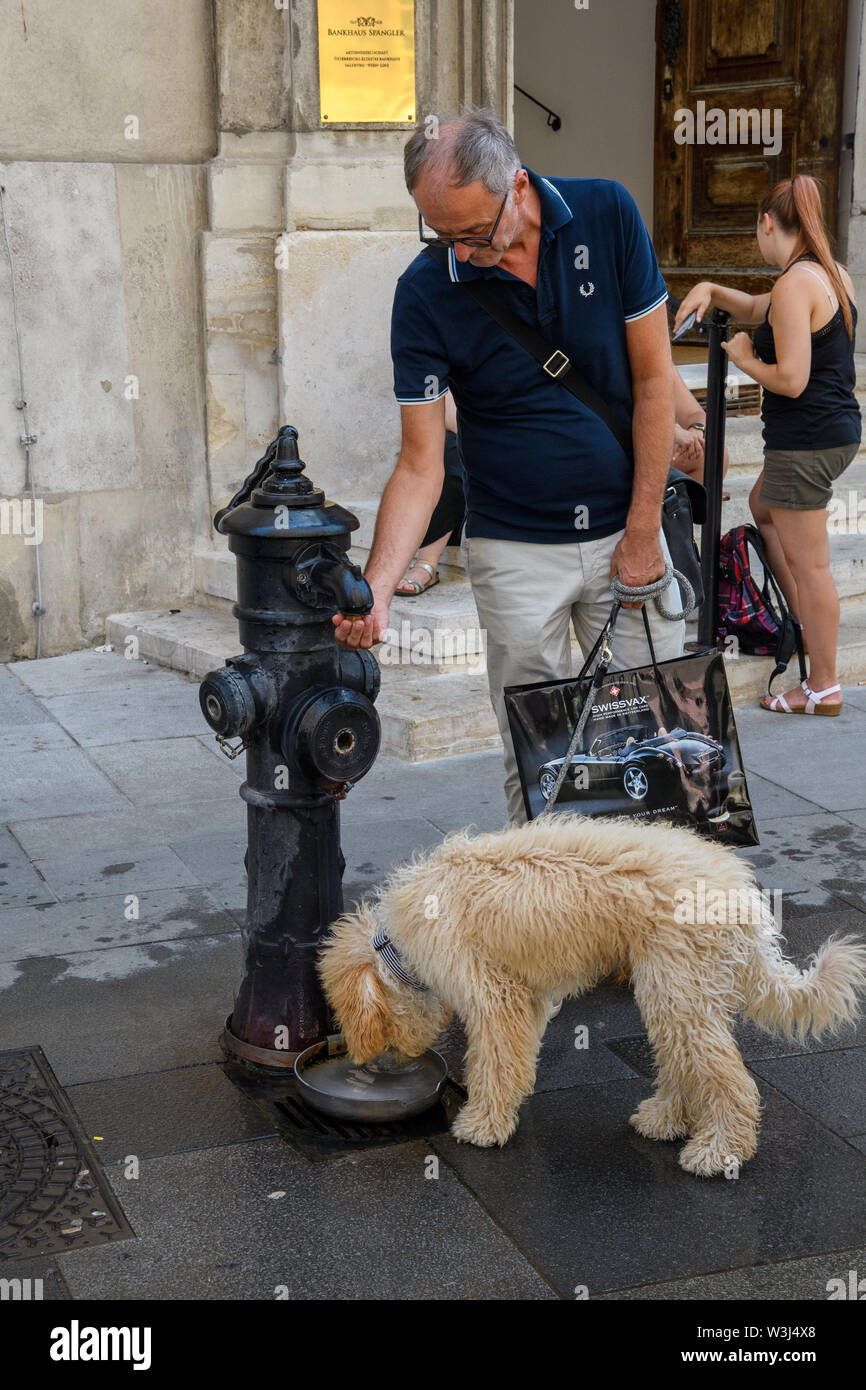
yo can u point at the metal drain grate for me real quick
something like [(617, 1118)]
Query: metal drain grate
[(54, 1195), (636, 1052), (318, 1136)]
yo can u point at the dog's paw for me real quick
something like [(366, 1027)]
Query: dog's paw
[(481, 1130), (708, 1160), (656, 1120)]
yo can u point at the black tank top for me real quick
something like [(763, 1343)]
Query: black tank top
[(826, 414)]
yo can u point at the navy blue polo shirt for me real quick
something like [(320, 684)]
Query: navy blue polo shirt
[(540, 465)]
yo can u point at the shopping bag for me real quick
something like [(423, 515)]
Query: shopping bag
[(658, 742)]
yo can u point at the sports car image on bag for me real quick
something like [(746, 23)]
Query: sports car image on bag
[(637, 764)]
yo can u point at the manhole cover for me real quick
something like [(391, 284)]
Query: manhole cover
[(317, 1136), (54, 1195), (635, 1052)]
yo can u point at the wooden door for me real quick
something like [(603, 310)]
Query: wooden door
[(748, 92)]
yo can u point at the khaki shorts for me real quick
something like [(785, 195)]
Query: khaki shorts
[(803, 478)]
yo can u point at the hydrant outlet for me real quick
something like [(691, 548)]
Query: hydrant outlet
[(332, 735), (237, 698), (322, 577), (359, 670)]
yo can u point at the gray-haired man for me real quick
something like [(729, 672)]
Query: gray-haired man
[(554, 506)]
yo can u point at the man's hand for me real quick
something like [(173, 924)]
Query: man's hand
[(688, 448), (362, 632), (637, 560)]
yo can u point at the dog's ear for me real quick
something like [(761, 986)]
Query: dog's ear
[(361, 1005)]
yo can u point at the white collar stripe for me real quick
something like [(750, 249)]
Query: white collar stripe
[(556, 191)]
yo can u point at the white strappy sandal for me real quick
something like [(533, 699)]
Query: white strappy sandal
[(779, 705), (416, 588)]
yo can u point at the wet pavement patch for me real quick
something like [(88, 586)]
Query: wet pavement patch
[(635, 1052), (317, 1136), (54, 1195), (829, 1085), (591, 1203)]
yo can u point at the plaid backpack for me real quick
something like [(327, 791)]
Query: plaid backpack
[(757, 618)]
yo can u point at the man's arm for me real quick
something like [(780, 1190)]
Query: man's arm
[(404, 514), (638, 558)]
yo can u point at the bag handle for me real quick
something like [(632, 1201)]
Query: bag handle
[(649, 638), (606, 632), (601, 650), (605, 657)]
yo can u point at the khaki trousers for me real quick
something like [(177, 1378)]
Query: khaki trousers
[(526, 595)]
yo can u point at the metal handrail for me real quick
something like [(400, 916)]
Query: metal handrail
[(553, 120)]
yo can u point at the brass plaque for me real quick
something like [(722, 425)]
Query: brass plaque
[(366, 61)]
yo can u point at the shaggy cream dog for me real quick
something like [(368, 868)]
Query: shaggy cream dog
[(495, 926)]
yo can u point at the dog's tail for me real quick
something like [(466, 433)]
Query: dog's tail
[(824, 996)]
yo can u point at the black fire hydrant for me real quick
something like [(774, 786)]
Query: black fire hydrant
[(302, 708)]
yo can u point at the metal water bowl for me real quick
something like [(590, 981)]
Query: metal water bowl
[(385, 1089)]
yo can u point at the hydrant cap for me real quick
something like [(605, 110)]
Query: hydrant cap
[(286, 506)]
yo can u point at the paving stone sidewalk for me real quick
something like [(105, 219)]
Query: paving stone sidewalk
[(112, 786)]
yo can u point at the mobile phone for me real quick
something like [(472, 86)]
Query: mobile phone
[(685, 326)]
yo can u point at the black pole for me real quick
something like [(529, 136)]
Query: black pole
[(714, 454)]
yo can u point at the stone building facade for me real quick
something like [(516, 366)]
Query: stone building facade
[(195, 260)]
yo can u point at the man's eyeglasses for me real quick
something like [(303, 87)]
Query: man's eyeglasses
[(462, 240)]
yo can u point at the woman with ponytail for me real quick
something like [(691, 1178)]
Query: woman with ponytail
[(803, 358)]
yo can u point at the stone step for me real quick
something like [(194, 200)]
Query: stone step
[(443, 621), (745, 461), (214, 577), (214, 570), (694, 374), (425, 714)]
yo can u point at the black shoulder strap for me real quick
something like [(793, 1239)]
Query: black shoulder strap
[(553, 361), (790, 639), (770, 589)]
